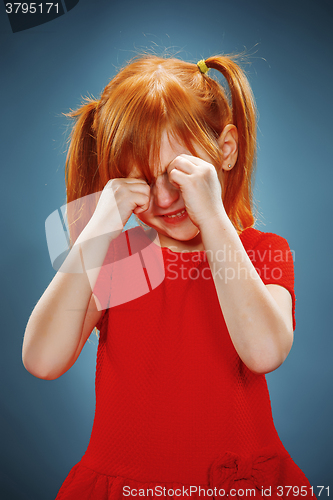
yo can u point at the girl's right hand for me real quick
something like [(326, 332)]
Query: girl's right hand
[(68, 311), (118, 200)]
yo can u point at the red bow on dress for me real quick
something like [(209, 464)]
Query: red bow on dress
[(231, 471)]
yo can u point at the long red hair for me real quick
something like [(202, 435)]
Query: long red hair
[(147, 96)]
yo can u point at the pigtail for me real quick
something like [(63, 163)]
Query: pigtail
[(239, 181), (81, 173)]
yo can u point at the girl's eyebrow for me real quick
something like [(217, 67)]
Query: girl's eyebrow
[(140, 175), (164, 170)]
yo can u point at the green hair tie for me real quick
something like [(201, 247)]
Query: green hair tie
[(202, 66)]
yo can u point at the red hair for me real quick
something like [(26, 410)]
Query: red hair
[(147, 96)]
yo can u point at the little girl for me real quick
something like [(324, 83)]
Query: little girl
[(192, 311)]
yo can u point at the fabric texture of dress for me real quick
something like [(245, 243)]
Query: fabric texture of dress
[(178, 413)]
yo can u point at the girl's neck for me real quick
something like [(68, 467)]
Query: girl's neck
[(193, 245)]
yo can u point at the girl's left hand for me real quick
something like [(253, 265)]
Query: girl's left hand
[(200, 187)]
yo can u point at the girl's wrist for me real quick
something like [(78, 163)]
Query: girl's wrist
[(217, 222), (99, 226)]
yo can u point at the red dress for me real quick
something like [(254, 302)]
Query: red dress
[(177, 411)]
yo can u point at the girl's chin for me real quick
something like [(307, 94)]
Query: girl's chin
[(178, 233), (182, 230)]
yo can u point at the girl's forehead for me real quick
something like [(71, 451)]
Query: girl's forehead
[(171, 147)]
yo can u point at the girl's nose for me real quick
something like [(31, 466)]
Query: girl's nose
[(164, 193)]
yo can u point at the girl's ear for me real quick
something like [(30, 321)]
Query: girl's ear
[(228, 142)]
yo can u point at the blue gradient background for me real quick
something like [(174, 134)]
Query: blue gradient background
[(46, 425)]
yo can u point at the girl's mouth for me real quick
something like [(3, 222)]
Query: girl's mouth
[(175, 218)]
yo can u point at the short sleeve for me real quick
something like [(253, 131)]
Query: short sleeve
[(274, 262)]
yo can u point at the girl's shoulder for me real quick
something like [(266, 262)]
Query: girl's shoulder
[(272, 258), (253, 238)]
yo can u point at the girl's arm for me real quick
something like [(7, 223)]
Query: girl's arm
[(67, 312), (64, 316), (258, 316)]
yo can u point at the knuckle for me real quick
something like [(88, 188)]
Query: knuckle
[(113, 184), (209, 171), (109, 183)]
